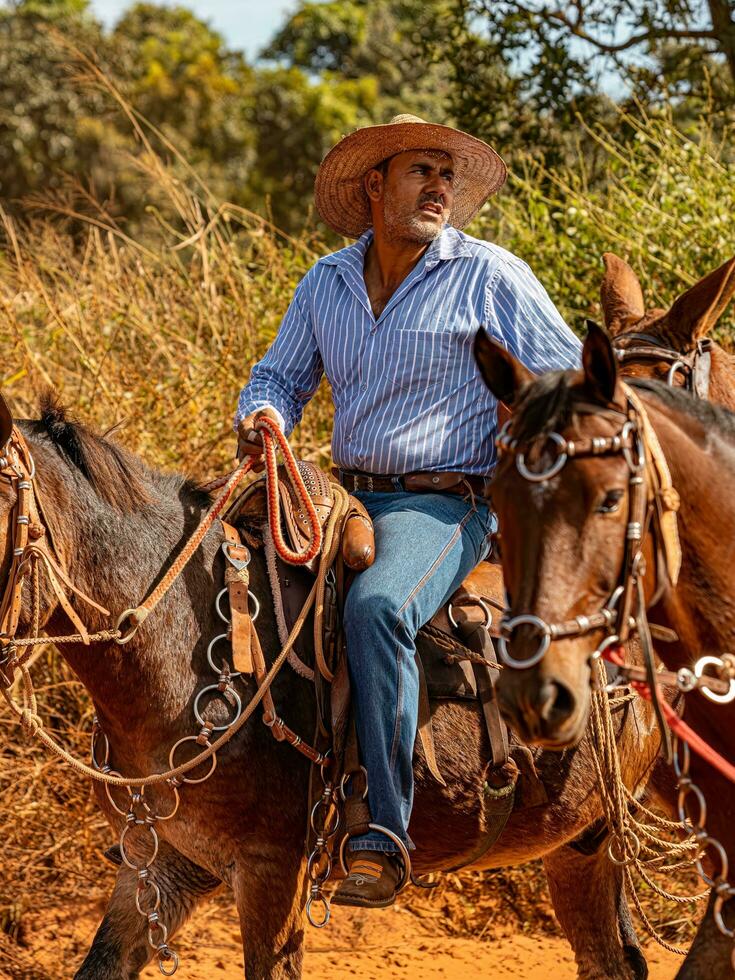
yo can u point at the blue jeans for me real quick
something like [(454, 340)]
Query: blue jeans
[(425, 545)]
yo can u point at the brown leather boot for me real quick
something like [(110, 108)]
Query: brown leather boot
[(372, 881)]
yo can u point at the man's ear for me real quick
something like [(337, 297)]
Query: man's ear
[(373, 183), (502, 373), (599, 364)]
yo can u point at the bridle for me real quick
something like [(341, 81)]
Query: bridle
[(32, 546), (694, 366), (652, 507)]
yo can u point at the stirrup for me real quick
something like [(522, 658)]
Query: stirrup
[(402, 849)]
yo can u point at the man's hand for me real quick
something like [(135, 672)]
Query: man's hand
[(249, 440)]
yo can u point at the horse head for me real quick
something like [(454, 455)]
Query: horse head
[(562, 528), (672, 345)]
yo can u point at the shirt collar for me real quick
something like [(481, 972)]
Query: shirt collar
[(450, 244)]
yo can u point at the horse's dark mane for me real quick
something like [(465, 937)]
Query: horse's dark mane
[(706, 412), (116, 475), (548, 403)]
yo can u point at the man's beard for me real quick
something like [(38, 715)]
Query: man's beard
[(404, 222)]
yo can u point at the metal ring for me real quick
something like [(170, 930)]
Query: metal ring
[(507, 628), (327, 830), (218, 669), (609, 641), (189, 779), (712, 695), (681, 808), (170, 954), (483, 605), (144, 883), (126, 859), (348, 775), (724, 863), (635, 466), (225, 619), (681, 768), (177, 801), (676, 367), (127, 637), (402, 850), (108, 791), (625, 858), (316, 875), (717, 913), (555, 467), (96, 733), (215, 687), (327, 911)]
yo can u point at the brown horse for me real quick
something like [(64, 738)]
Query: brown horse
[(119, 523), (564, 553)]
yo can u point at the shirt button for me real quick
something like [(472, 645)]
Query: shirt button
[(363, 386)]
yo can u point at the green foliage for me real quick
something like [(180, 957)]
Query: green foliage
[(180, 76), (666, 206), (296, 120), (50, 124)]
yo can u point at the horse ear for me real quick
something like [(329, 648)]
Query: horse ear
[(6, 422), (696, 311), (502, 373), (599, 364), (620, 294)]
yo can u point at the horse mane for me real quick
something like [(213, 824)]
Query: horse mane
[(115, 474), (704, 411), (547, 405)]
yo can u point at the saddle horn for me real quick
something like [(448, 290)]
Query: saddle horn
[(6, 422)]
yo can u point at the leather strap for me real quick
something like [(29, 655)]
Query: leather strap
[(459, 483), (237, 580), (425, 728)]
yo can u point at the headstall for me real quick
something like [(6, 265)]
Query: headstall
[(694, 366)]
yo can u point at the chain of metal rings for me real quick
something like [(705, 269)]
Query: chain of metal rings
[(141, 815), (695, 828), (325, 820)]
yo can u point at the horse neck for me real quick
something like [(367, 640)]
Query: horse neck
[(115, 557)]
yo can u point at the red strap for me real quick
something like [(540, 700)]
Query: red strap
[(677, 725)]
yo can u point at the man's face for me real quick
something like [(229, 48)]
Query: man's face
[(418, 191)]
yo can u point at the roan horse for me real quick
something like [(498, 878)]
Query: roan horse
[(244, 827), (565, 553)]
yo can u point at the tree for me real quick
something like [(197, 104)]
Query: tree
[(562, 49), (50, 126), (181, 77)]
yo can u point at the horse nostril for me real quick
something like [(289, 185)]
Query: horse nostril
[(555, 702)]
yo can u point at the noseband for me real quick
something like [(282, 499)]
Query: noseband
[(694, 366), (652, 506)]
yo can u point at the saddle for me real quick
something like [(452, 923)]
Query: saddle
[(455, 653)]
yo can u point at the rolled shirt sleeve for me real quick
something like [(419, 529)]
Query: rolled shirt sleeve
[(520, 314), (289, 373)]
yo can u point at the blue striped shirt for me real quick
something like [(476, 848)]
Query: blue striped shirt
[(407, 393)]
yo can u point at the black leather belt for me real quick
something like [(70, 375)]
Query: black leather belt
[(457, 483)]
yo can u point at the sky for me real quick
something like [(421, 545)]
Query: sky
[(247, 25)]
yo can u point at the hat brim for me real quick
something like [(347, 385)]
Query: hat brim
[(339, 193)]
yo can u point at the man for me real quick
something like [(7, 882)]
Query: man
[(391, 321)]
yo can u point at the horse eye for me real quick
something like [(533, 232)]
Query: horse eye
[(611, 502)]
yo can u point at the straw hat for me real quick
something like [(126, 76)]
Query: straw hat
[(339, 193)]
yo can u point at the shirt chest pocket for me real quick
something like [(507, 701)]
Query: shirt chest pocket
[(417, 360)]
